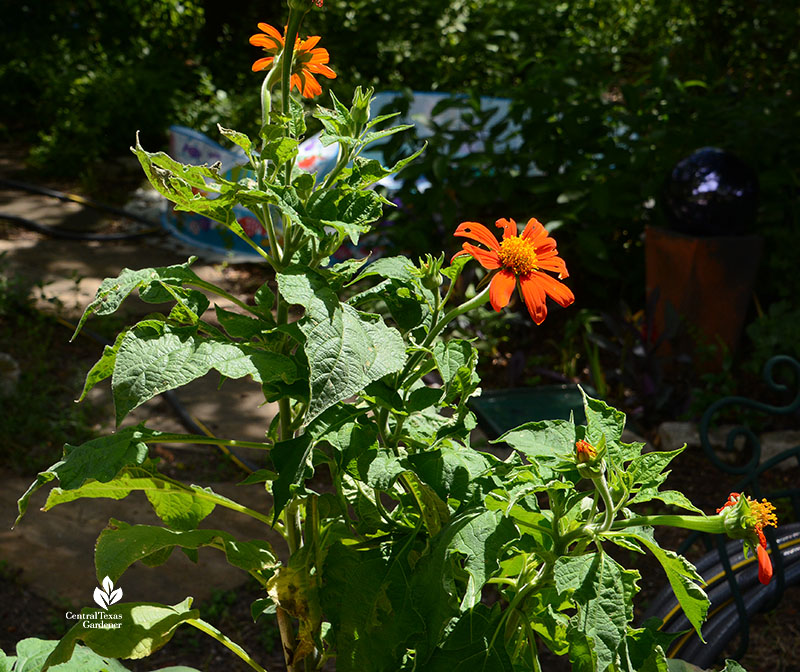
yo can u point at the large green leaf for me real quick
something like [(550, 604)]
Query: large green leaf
[(682, 576), (346, 349), (472, 645), (648, 470), (433, 510), (187, 185), (154, 358), (545, 440), (453, 471), (120, 545), (602, 420), (143, 628), (100, 459), (451, 356), (32, 653), (180, 506), (603, 592), (366, 596), (113, 291)]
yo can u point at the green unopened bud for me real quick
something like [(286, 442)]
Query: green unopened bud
[(430, 271), (361, 104)]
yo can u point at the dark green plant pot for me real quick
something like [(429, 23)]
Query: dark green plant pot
[(501, 410)]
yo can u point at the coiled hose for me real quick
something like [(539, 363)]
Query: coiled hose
[(66, 234), (723, 621)]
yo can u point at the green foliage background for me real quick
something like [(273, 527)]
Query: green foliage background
[(611, 93)]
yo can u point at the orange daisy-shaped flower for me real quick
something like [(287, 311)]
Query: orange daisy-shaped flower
[(760, 515), (522, 258), (308, 60)]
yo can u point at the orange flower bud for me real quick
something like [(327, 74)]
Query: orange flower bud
[(584, 451)]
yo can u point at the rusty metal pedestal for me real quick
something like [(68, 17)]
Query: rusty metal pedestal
[(708, 281)]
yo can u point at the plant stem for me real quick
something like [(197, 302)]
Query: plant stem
[(474, 302), (608, 502), (201, 284), (211, 631), (209, 440), (287, 637), (712, 524)]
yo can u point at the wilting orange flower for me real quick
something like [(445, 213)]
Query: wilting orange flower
[(760, 515), (307, 60), (520, 258)]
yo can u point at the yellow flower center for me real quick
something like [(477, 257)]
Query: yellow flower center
[(763, 513), (518, 254)]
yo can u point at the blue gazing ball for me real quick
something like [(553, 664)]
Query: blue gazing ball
[(711, 193)]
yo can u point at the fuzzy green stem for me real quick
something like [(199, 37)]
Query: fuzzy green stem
[(601, 485), (206, 440), (292, 29), (474, 302), (712, 524), (201, 284), (477, 300)]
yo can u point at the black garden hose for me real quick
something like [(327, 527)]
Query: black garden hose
[(65, 234), (723, 621)]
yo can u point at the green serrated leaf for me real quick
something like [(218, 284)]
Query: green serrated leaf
[(346, 349), (237, 138), (471, 645), (602, 420), (367, 138), (603, 592), (367, 597), (544, 440), (434, 511), (280, 150), (669, 497), (682, 576), (453, 471), (648, 470), (451, 356), (240, 326), (149, 363), (104, 366), (120, 545), (113, 291)]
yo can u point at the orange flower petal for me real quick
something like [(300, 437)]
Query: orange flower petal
[(323, 70), (509, 227), (501, 289), (310, 42), (319, 55), (534, 296), (262, 64), (534, 230), (478, 233), (764, 565), (556, 290), (550, 261), (486, 258), (266, 42), (270, 30)]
